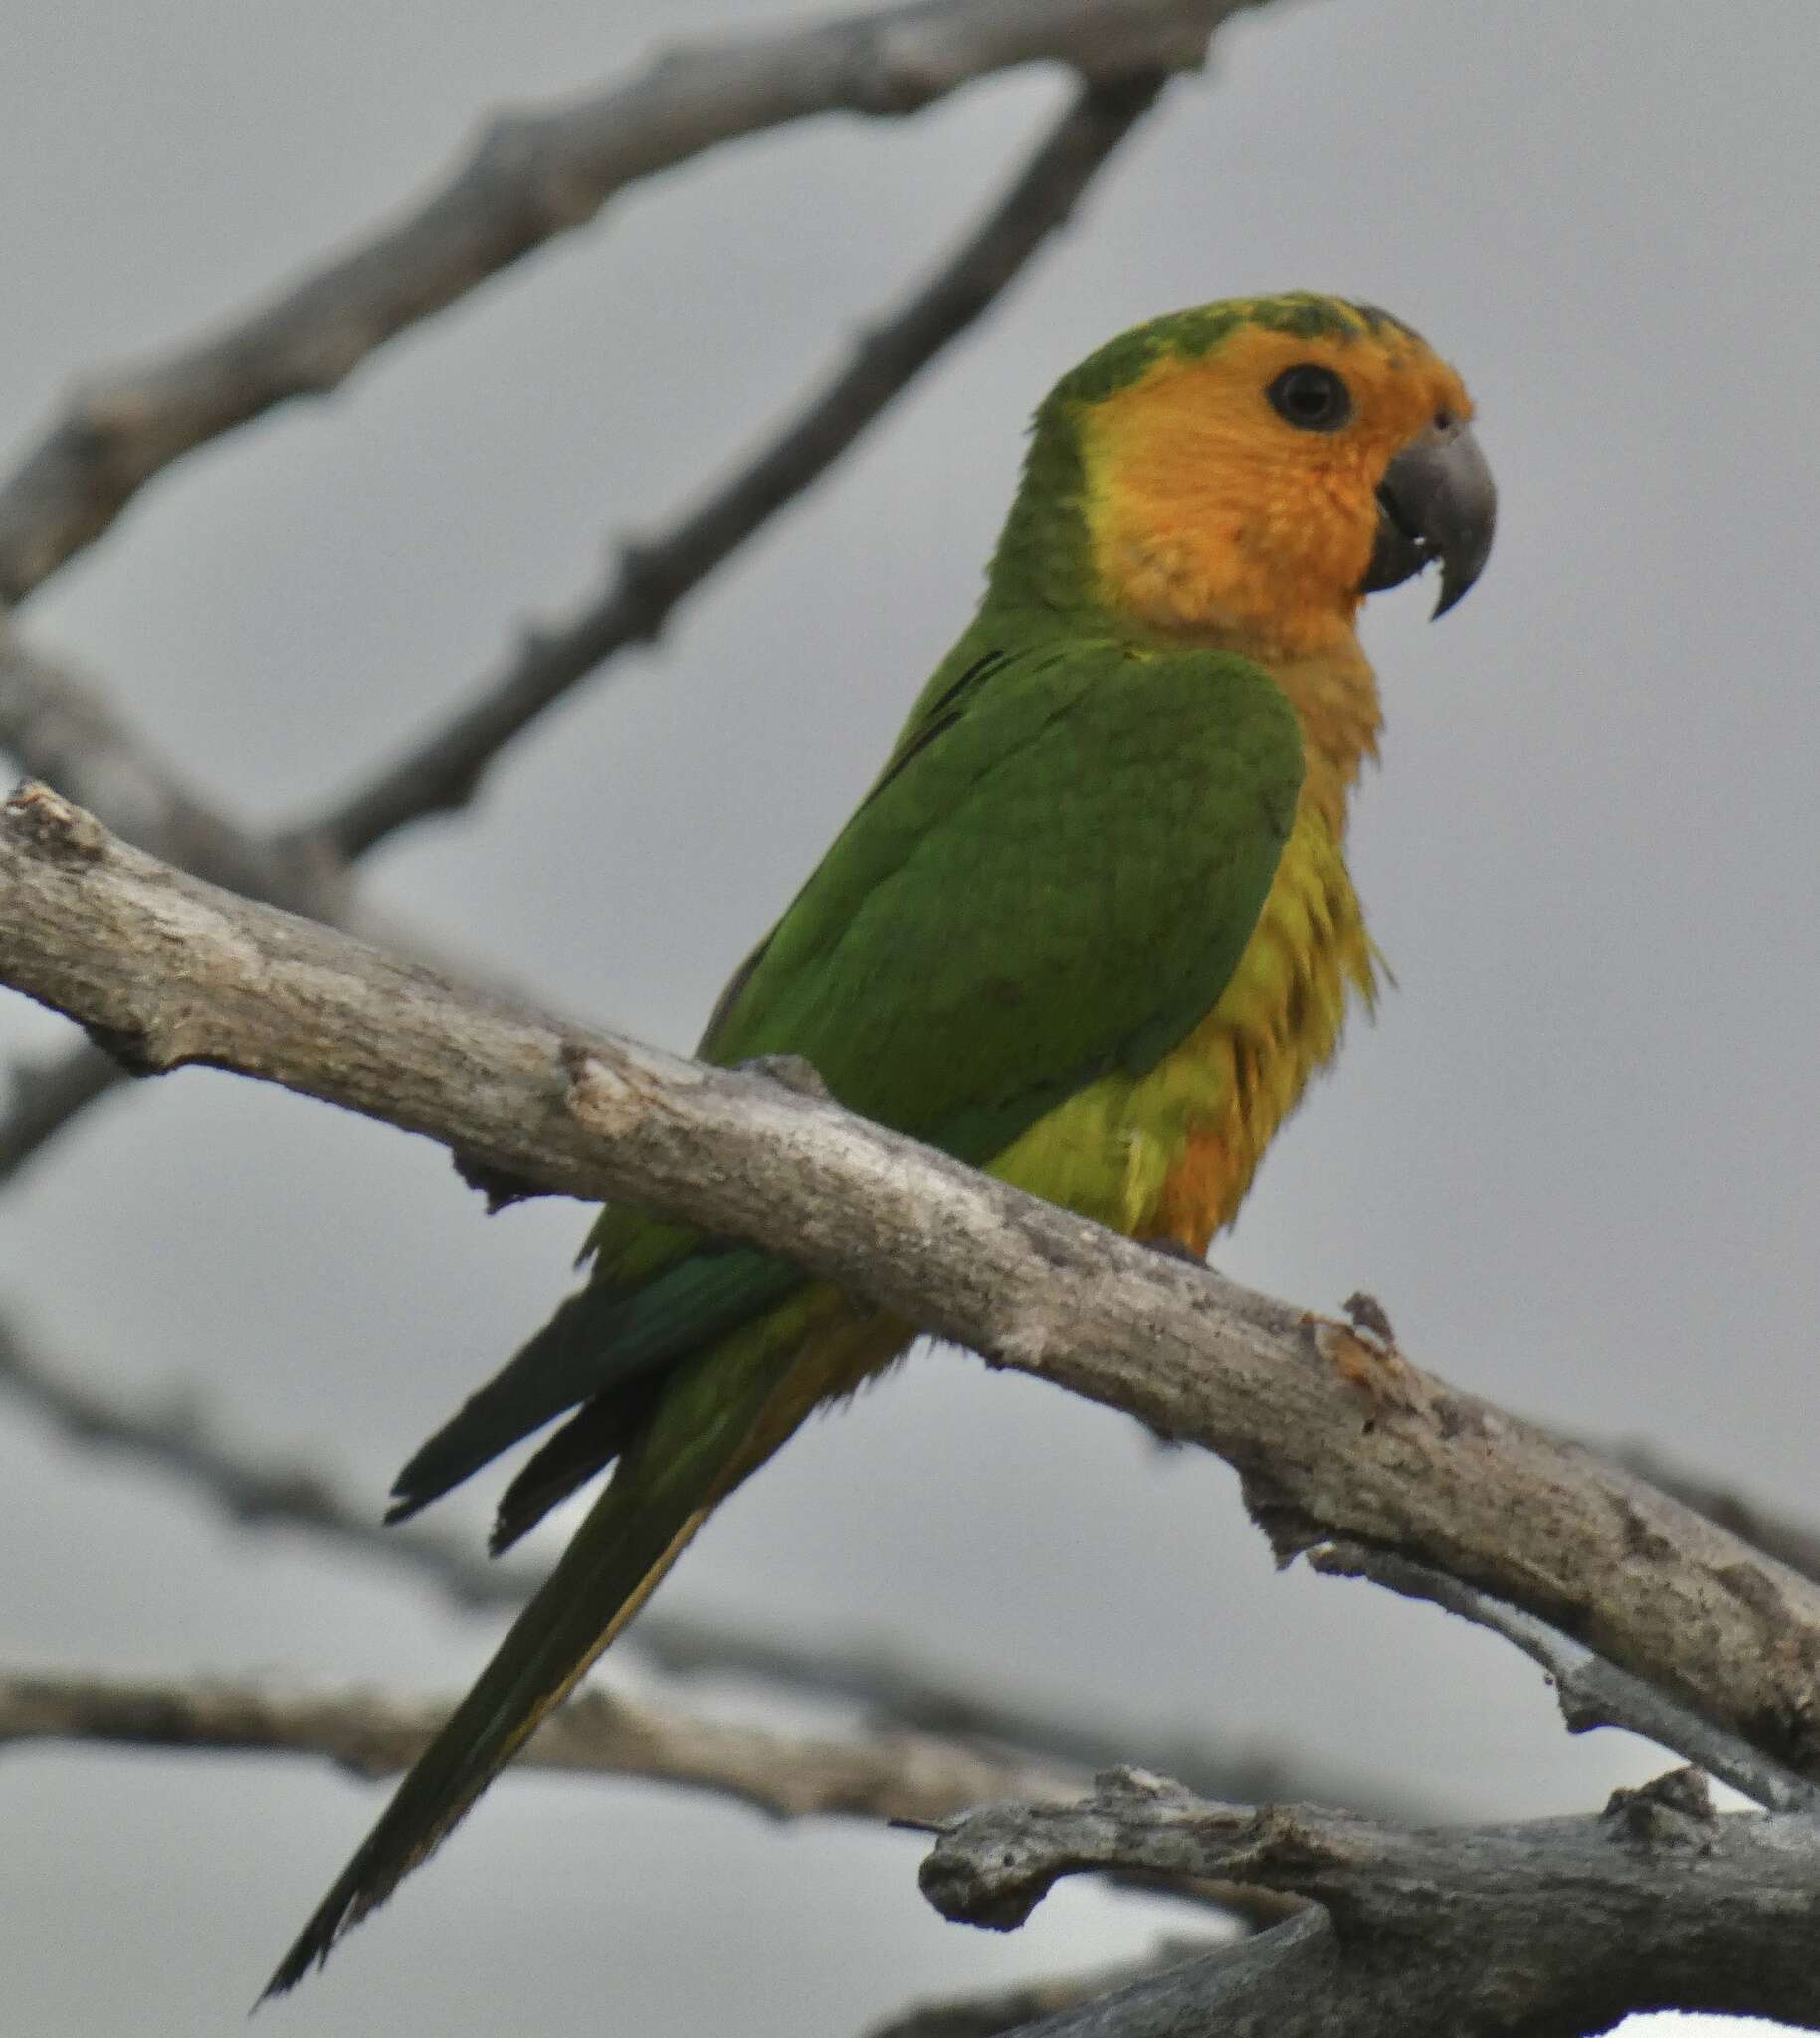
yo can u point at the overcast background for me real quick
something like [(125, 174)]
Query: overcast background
[(1574, 1156)]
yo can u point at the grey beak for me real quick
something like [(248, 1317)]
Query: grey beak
[(1437, 500)]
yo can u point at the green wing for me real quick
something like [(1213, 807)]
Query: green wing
[(1054, 876)]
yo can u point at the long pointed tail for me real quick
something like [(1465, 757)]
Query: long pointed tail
[(711, 1428)]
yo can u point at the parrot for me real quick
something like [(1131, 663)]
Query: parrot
[(1091, 930)]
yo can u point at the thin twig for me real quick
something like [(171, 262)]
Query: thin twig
[(1591, 1692), (893, 1687), (532, 175), (62, 727), (42, 1096), (58, 724)]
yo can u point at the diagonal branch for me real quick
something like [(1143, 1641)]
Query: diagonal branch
[(532, 176), (58, 729), (443, 770), (170, 971)]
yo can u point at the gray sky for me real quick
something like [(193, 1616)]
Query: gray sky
[(1574, 1157)]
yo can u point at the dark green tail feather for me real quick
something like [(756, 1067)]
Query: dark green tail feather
[(599, 1340), (585, 1445), (694, 1450)]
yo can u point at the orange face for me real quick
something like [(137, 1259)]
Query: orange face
[(1232, 495)]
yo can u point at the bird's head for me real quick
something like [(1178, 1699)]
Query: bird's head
[(1245, 473)]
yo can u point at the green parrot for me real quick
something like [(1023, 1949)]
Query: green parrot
[(1090, 930)]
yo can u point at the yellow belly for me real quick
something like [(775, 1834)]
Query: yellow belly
[(1170, 1154)]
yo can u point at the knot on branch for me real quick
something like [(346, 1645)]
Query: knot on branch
[(789, 1071), (604, 1098), (1287, 1526), (132, 1050), (53, 824), (1671, 1811)]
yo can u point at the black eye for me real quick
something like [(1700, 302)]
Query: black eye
[(1310, 398)]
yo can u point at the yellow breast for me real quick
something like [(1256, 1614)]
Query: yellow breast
[(1172, 1153), (1240, 1074)]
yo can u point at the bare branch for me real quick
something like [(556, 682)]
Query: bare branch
[(60, 729), (532, 175), (63, 729), (894, 1688), (884, 1775), (444, 770), (174, 1437), (910, 1777), (178, 1441), (1556, 1925), (173, 970)]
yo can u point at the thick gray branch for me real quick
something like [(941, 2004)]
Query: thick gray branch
[(170, 971), (533, 176), (1556, 1925)]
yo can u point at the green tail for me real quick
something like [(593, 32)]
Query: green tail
[(601, 1344), (709, 1428)]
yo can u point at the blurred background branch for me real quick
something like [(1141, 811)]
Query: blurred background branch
[(534, 175), (62, 730), (174, 1439), (881, 1774)]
